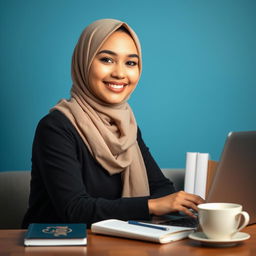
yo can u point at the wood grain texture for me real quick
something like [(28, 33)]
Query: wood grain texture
[(11, 244)]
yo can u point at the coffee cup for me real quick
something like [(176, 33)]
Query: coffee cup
[(221, 221)]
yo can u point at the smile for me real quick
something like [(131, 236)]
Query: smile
[(115, 87)]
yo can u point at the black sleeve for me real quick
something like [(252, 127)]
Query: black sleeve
[(158, 183), (58, 169)]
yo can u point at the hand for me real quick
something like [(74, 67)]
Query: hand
[(179, 201)]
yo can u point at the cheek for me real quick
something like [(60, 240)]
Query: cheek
[(98, 72), (134, 76)]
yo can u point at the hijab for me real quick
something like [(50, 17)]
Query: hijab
[(108, 130)]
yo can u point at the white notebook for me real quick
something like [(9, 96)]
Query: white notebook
[(141, 231)]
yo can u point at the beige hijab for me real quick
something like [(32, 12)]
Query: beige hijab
[(108, 130)]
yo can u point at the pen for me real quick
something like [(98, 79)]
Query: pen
[(133, 222)]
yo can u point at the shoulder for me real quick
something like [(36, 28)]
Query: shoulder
[(55, 123), (55, 119)]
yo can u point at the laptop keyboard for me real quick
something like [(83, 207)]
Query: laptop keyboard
[(176, 220), (183, 222)]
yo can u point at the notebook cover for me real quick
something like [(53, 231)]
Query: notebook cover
[(56, 231)]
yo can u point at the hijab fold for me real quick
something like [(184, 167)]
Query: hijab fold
[(108, 130)]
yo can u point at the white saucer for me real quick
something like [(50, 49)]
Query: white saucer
[(200, 236)]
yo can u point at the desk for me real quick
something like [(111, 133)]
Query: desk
[(11, 244)]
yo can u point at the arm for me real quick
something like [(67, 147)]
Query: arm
[(164, 199), (56, 163)]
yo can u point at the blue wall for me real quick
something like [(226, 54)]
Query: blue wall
[(198, 82)]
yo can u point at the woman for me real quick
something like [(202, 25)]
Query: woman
[(89, 161)]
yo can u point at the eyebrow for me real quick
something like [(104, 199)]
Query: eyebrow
[(115, 54)]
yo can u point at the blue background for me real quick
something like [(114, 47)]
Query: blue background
[(198, 82)]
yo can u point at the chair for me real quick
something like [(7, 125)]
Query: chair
[(14, 193), (176, 176)]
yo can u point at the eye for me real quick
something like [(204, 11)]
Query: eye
[(131, 63), (106, 60)]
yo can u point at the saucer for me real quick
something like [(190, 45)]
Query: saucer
[(200, 236)]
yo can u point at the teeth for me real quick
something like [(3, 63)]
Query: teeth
[(116, 86)]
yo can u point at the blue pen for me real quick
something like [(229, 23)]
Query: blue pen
[(133, 222)]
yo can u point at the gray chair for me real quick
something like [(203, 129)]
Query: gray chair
[(176, 176), (14, 193)]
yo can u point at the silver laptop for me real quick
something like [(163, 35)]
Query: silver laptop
[(235, 177), (234, 180)]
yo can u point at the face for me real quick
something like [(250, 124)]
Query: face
[(114, 71)]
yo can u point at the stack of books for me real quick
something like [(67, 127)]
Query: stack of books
[(199, 173)]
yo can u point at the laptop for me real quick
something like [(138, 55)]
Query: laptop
[(234, 180)]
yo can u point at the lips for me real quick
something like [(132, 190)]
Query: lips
[(116, 87)]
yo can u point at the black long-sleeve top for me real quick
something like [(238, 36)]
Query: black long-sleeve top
[(69, 185)]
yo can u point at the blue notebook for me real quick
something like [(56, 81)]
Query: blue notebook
[(39, 234)]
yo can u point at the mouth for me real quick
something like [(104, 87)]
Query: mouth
[(116, 87)]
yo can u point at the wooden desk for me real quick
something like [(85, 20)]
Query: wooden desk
[(11, 244)]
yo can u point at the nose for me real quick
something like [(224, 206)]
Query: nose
[(118, 71)]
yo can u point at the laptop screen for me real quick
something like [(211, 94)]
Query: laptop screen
[(235, 178)]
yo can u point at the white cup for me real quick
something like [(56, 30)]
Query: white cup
[(221, 221)]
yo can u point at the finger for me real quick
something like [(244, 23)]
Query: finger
[(190, 205), (188, 200), (195, 198), (187, 211)]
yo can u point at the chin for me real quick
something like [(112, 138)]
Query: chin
[(115, 100)]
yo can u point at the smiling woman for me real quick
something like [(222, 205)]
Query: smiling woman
[(114, 71), (89, 161)]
